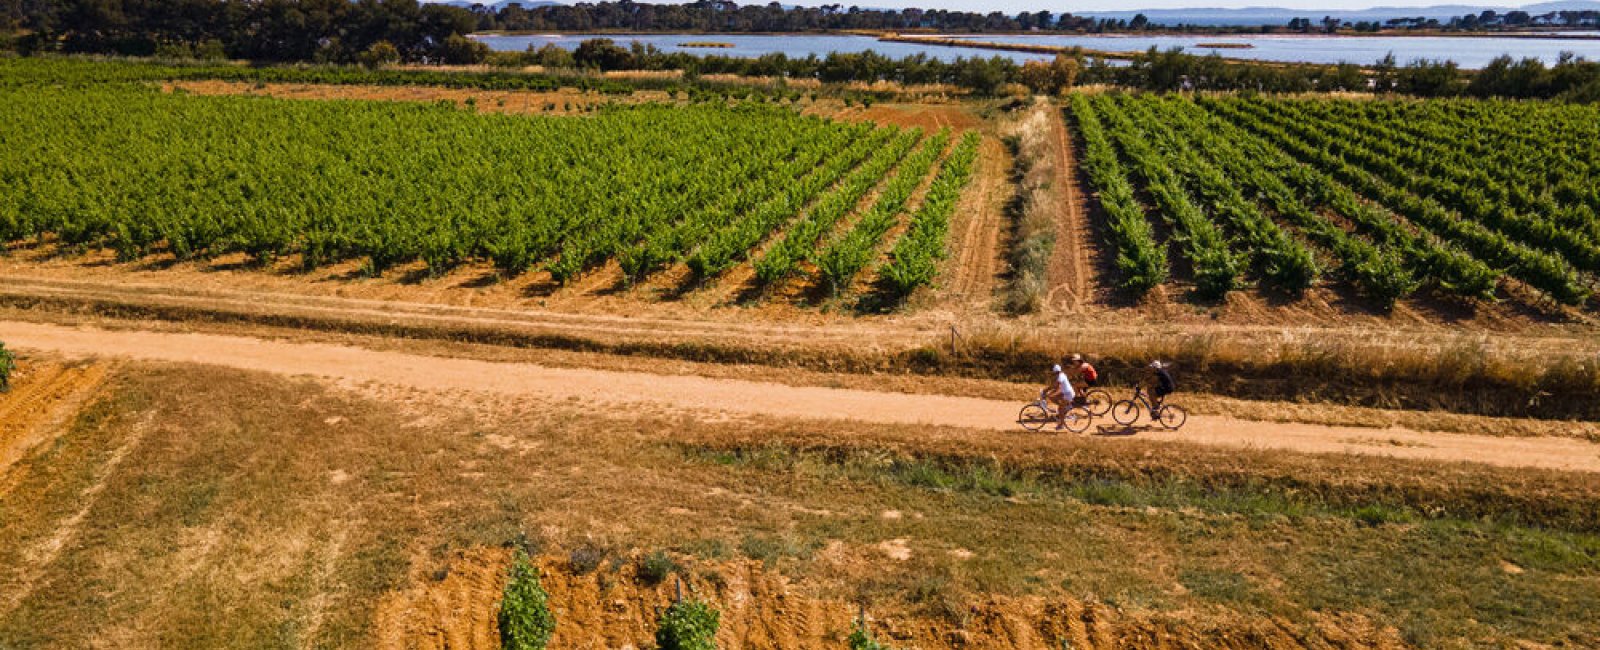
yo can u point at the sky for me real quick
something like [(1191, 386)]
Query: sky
[(1057, 6)]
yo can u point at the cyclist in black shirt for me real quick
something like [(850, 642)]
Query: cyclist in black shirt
[(1160, 383)]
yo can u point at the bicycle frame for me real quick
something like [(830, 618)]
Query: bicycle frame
[(1139, 396)]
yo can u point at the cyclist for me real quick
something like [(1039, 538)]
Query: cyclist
[(1083, 373), (1160, 383), (1059, 392)]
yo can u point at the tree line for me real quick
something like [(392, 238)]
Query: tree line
[(1570, 78), (377, 32), (338, 31)]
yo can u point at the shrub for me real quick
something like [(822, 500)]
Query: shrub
[(656, 566), (8, 364), (687, 625), (380, 54), (861, 639), (526, 622), (585, 559), (460, 50)]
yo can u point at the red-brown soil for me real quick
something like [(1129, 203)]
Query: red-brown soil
[(43, 396), (760, 608)]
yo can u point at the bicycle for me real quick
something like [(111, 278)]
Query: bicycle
[(1169, 416), (1097, 401), (1037, 415)]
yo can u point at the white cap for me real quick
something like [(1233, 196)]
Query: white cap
[(1055, 368), (1155, 364)]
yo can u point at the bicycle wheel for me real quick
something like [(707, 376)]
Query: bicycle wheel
[(1097, 402), (1078, 419), (1172, 416), (1125, 412), (1033, 417)]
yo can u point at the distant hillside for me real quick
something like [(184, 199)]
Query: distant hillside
[(526, 4), (1279, 15)]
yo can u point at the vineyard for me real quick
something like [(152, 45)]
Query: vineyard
[(1472, 199), (708, 186)]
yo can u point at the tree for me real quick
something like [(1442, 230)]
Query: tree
[(551, 56), (460, 50), (603, 53), (1383, 77), (379, 54), (1430, 79), (1050, 78)]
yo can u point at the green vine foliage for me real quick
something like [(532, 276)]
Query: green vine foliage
[(861, 639), (688, 625), (8, 364), (526, 622)]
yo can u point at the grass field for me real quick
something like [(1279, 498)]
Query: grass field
[(291, 509)]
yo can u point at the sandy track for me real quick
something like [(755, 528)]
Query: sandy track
[(1070, 270), (977, 262), (702, 396), (803, 333)]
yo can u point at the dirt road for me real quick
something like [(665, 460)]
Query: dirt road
[(706, 396)]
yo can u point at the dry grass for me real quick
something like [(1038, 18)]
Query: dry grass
[(1466, 373), (1034, 211), (288, 508)]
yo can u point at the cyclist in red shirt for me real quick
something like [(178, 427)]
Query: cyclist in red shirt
[(1082, 374)]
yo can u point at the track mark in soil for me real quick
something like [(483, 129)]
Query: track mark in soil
[(37, 559), (457, 612), (43, 401), (1070, 269), (977, 262), (317, 606)]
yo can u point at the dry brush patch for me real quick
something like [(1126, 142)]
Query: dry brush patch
[(1034, 211), (292, 508)]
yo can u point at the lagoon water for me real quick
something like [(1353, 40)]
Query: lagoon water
[(751, 46), (1469, 52)]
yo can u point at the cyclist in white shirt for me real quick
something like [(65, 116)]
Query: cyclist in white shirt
[(1059, 391)]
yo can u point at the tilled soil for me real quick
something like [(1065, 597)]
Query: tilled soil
[(760, 608), (708, 397), (43, 396)]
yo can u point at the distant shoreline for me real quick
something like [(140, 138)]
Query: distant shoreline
[(1550, 35)]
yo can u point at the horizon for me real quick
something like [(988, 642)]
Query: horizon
[(1012, 7)]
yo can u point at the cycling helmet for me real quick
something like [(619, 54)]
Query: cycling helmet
[(1075, 357), (1155, 364), (1055, 368)]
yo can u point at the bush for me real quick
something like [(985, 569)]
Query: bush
[(586, 558), (380, 54), (525, 619), (655, 567), (861, 639), (460, 50), (687, 625), (8, 364)]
